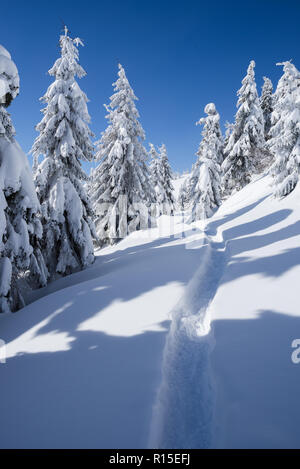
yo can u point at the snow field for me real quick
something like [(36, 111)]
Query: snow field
[(166, 341)]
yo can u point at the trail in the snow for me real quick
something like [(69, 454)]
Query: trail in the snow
[(183, 413)]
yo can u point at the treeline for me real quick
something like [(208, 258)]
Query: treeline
[(52, 220), (264, 137)]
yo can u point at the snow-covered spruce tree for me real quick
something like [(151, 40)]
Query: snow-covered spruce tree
[(229, 129), (65, 140), (266, 102), (154, 169), (206, 176), (20, 227), (122, 191), (246, 142), (184, 191), (285, 133), (181, 199), (88, 185), (166, 196), (155, 179)]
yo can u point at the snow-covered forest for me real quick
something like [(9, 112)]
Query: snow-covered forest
[(145, 302)]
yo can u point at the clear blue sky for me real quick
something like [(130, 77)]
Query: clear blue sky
[(178, 56)]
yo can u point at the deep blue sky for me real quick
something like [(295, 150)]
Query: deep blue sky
[(178, 56)]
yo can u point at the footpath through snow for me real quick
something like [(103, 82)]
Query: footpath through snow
[(96, 362), (255, 316), (228, 378)]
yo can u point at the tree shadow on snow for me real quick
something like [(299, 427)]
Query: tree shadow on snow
[(212, 227), (99, 393), (123, 275), (258, 385), (111, 262), (242, 239)]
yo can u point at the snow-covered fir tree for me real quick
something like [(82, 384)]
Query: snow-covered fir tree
[(206, 176), (155, 179), (166, 196), (187, 189), (154, 171), (183, 195), (88, 184), (228, 131), (266, 102), (181, 198), (122, 191), (285, 131), (64, 140), (20, 256), (246, 142)]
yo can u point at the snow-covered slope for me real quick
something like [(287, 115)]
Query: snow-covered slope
[(96, 364), (84, 363), (228, 378), (255, 317)]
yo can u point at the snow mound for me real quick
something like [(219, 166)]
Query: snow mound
[(9, 77), (4, 52), (15, 173), (210, 108)]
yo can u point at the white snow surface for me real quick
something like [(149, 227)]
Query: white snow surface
[(9, 77), (166, 341)]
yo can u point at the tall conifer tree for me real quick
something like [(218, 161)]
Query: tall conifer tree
[(64, 141)]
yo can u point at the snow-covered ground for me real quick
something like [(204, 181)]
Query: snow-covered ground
[(255, 316), (84, 363), (96, 361)]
